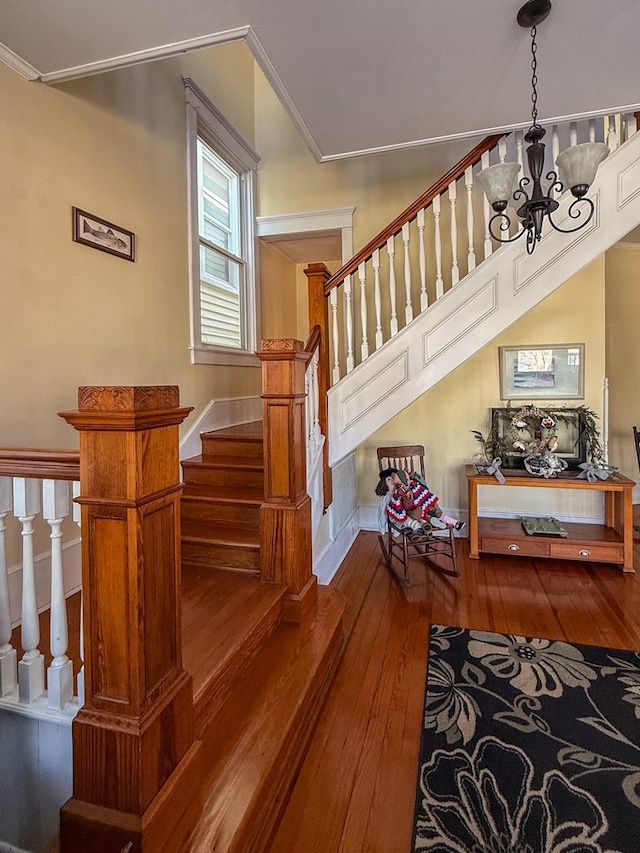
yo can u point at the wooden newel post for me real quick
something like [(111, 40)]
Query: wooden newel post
[(136, 767), (285, 515), (317, 277)]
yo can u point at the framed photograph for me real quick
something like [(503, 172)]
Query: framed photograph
[(97, 232), (568, 425), (549, 372)]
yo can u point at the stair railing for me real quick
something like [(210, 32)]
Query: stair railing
[(427, 250), (36, 483)]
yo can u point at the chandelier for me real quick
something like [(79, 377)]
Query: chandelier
[(578, 163)]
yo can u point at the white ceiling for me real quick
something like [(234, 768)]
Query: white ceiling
[(359, 75)]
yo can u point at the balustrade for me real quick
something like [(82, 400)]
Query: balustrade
[(430, 243), (33, 500)]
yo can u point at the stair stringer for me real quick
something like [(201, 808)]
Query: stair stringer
[(482, 305)]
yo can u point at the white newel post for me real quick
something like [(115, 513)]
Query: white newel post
[(26, 505), (8, 657), (55, 508)]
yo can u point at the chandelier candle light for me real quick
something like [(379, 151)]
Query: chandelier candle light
[(579, 164)]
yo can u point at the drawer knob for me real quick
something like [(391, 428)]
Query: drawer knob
[(514, 547), (584, 553)]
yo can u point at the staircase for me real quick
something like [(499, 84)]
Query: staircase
[(384, 359), (220, 507), (259, 681)]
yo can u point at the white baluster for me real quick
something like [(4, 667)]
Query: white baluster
[(612, 134), (8, 655), (502, 149), (486, 210), (438, 247), (77, 516), (573, 133), (375, 260), (364, 346), (555, 150), (317, 432), (55, 508), (391, 252), (424, 298), (592, 130), (468, 182), (408, 308), (455, 271), (308, 404), (26, 505), (333, 301), (519, 149), (348, 315), (632, 125)]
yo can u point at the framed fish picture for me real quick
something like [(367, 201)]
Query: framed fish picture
[(97, 232)]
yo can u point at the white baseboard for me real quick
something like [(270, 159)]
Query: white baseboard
[(220, 414), (331, 558)]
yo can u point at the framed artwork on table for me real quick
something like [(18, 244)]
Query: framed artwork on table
[(545, 372)]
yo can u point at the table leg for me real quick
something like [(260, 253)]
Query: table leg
[(473, 519)]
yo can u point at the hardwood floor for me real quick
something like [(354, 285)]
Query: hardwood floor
[(355, 790)]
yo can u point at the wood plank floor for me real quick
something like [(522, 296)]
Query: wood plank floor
[(355, 790)]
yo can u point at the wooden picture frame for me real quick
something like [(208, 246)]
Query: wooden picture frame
[(569, 427), (92, 230), (542, 372)]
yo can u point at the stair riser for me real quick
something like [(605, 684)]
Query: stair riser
[(203, 510), (214, 480), (231, 449), (214, 556)]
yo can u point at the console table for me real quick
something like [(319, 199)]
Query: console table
[(611, 542)]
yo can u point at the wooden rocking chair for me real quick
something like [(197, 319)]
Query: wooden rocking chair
[(401, 545)]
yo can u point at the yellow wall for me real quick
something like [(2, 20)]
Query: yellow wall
[(623, 354), (114, 145), (280, 302), (443, 417)]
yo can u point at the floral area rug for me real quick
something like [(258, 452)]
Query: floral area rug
[(529, 746)]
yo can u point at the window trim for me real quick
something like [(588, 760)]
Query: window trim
[(204, 120)]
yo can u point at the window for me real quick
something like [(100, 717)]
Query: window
[(222, 178)]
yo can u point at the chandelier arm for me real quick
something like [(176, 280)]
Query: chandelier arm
[(575, 212), (555, 183), (521, 192), (506, 224)]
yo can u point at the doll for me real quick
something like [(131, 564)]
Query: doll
[(408, 502)]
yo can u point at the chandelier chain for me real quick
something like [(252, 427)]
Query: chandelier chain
[(534, 76)]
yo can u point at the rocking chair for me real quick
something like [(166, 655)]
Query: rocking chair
[(399, 545)]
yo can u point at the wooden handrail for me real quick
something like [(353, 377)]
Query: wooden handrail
[(44, 464), (313, 341), (411, 212)]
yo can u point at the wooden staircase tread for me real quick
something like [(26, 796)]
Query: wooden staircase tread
[(227, 533), (238, 464), (223, 499), (253, 745), (248, 431), (220, 612)]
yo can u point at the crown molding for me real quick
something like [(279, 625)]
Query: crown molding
[(17, 64)]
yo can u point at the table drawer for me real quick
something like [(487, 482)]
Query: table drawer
[(525, 547), (605, 553)]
